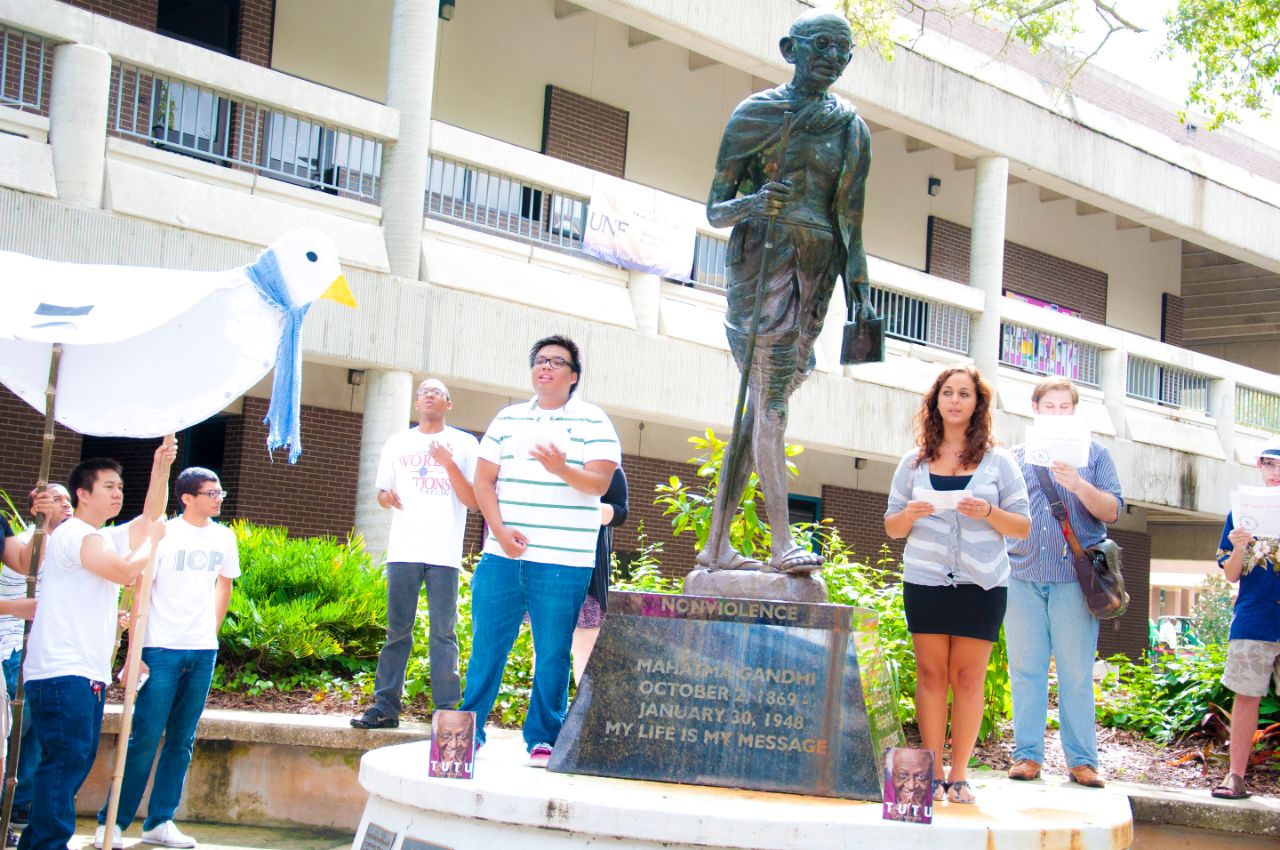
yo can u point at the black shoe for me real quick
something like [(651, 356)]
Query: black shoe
[(375, 719)]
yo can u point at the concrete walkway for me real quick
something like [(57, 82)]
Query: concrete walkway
[(217, 836)]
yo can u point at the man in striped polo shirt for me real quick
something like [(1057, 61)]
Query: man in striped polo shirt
[(543, 466)]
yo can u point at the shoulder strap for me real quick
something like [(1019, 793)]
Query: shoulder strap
[(1058, 509)]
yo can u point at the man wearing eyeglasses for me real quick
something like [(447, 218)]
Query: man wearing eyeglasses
[(195, 565), (544, 464), (424, 477), (814, 191)]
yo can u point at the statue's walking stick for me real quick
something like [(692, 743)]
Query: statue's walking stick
[(733, 453), (37, 553)]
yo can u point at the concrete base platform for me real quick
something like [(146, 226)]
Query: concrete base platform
[(510, 804)]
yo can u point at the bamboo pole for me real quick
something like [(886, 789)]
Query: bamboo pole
[(133, 666), (37, 553)]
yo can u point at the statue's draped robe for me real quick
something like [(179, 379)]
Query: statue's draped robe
[(795, 296)]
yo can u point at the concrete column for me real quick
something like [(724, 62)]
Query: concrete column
[(1222, 406), (1113, 380), (986, 259), (78, 102), (646, 300), (388, 398), (410, 77)]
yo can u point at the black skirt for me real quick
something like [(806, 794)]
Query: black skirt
[(961, 610)]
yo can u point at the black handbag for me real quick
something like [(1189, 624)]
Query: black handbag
[(1097, 568)]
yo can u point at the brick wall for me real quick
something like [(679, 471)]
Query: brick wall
[(257, 20), (1128, 634), (1026, 271), (135, 456), (1171, 315), (23, 430), (643, 476), (314, 496), (587, 132), (859, 517), (139, 13)]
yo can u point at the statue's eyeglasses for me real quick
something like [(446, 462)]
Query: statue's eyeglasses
[(823, 43)]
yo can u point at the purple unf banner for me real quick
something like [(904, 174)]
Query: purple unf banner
[(640, 228)]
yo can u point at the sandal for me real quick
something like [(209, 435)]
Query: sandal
[(1230, 788), (940, 790), (958, 791)]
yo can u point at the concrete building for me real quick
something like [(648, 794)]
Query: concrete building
[(451, 150)]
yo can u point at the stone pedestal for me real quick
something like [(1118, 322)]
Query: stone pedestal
[(510, 804), (754, 584), (741, 693)]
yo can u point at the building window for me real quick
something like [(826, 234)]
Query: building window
[(208, 23), (190, 120), (807, 510)]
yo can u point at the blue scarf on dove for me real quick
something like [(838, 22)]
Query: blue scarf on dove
[(283, 419)]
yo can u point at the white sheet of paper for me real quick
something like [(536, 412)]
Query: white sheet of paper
[(1257, 509), (1054, 438), (523, 441), (942, 500)]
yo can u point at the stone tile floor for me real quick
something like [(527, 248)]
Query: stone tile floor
[(217, 836)]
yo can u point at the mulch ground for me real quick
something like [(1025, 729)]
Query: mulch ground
[(1122, 755)]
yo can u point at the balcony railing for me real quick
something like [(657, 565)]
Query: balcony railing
[(486, 200), (1168, 386), (1044, 353), (25, 67), (907, 318), (184, 117), (1258, 409)]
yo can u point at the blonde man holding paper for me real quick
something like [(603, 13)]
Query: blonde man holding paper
[(1253, 645), (1047, 614)]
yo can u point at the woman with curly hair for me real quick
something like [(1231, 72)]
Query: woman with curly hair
[(955, 568)]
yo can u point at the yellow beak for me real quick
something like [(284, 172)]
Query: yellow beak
[(339, 291)]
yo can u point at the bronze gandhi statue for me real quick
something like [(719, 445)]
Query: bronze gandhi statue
[(791, 179)]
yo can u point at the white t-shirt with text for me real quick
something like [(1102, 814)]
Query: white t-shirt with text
[(430, 527), (188, 563), (75, 626)]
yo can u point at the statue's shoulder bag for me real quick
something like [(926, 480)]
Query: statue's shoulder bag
[(1097, 568)]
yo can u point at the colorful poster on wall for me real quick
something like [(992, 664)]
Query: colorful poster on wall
[(640, 228)]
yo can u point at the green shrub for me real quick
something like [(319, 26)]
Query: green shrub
[(303, 610), (1213, 609), (1172, 697), (690, 505)]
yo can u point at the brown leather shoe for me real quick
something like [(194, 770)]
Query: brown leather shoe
[(1085, 775), (1025, 769)]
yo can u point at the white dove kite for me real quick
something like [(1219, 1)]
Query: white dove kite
[(151, 351)]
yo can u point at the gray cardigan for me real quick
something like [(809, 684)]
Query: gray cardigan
[(946, 547)]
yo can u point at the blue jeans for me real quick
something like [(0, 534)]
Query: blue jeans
[(170, 703), (404, 584), (66, 717), (29, 754), (1044, 619), (501, 591)]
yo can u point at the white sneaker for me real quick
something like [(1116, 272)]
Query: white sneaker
[(116, 841), (167, 834)]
